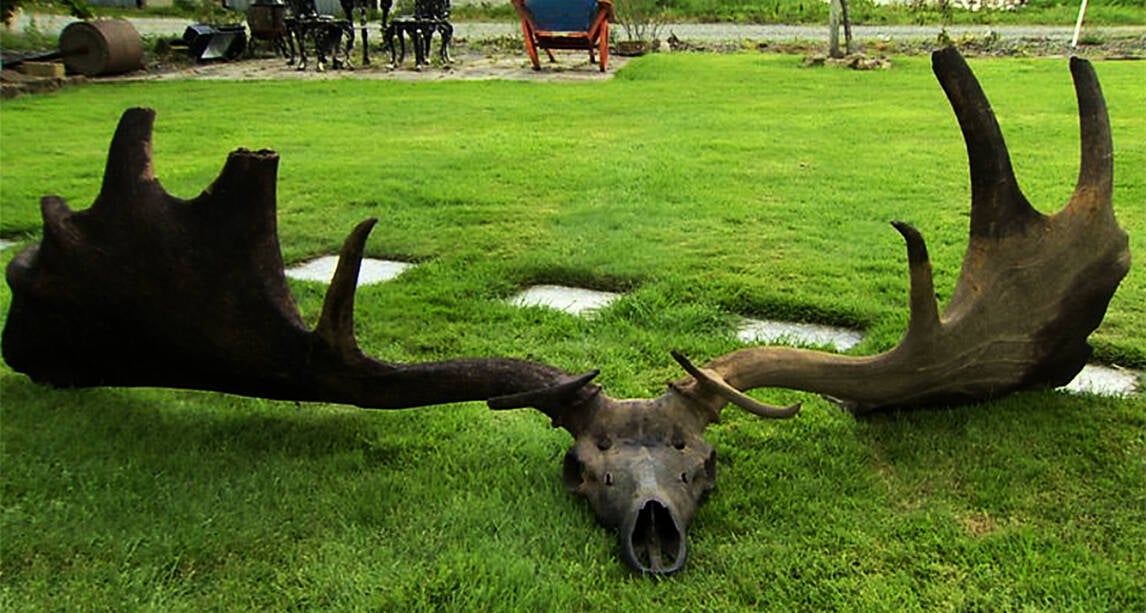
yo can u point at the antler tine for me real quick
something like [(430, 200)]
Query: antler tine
[(712, 381), (58, 228), (128, 167), (336, 323), (1095, 185), (924, 308), (555, 401), (243, 200), (998, 207)]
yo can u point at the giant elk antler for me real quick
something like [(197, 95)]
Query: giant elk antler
[(146, 289), (1031, 290), (1032, 286)]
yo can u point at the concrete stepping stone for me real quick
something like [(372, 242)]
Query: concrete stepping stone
[(372, 271), (799, 334), (1104, 381), (572, 300)]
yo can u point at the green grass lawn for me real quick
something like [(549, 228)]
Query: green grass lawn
[(705, 187), (869, 12)]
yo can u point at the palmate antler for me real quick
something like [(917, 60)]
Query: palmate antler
[(1031, 290), (146, 289), (1032, 287)]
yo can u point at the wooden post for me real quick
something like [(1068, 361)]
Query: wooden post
[(1078, 24), (834, 29)]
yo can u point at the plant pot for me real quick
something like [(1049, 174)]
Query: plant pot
[(632, 48)]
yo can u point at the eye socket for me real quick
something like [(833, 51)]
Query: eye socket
[(604, 443), (678, 443)]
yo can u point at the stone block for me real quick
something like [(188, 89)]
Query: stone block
[(52, 70)]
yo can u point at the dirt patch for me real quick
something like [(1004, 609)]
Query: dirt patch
[(499, 57), (503, 58), (468, 64), (979, 524), (13, 83), (484, 61)]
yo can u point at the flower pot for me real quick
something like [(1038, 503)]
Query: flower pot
[(631, 48)]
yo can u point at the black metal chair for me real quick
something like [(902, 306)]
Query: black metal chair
[(360, 9), (430, 17), (329, 37)]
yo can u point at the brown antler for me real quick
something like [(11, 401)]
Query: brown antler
[(145, 289), (1031, 290), (1032, 287)]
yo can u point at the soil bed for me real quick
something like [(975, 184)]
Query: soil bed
[(471, 62), (498, 59)]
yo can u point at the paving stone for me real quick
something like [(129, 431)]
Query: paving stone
[(573, 300), (372, 271), (801, 334), (1104, 381)]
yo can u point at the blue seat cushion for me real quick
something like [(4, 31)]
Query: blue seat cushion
[(562, 15)]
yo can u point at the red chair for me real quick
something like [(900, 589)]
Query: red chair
[(566, 24)]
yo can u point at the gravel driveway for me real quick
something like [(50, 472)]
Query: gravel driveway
[(692, 32), (473, 61)]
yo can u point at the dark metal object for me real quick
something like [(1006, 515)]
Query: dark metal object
[(360, 8), (17, 60), (101, 47), (206, 42), (430, 17), (330, 38), (267, 20)]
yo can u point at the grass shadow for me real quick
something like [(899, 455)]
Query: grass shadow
[(1005, 459), (152, 423)]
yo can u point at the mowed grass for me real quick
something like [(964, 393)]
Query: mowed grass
[(704, 186)]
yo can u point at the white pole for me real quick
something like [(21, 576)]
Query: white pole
[(1078, 24)]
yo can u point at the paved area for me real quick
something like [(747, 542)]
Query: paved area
[(696, 32)]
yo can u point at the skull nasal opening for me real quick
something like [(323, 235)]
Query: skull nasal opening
[(653, 542)]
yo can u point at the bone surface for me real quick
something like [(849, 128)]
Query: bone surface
[(147, 289), (1031, 290)]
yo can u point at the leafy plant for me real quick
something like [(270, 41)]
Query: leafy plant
[(31, 38), (641, 20), (76, 8)]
